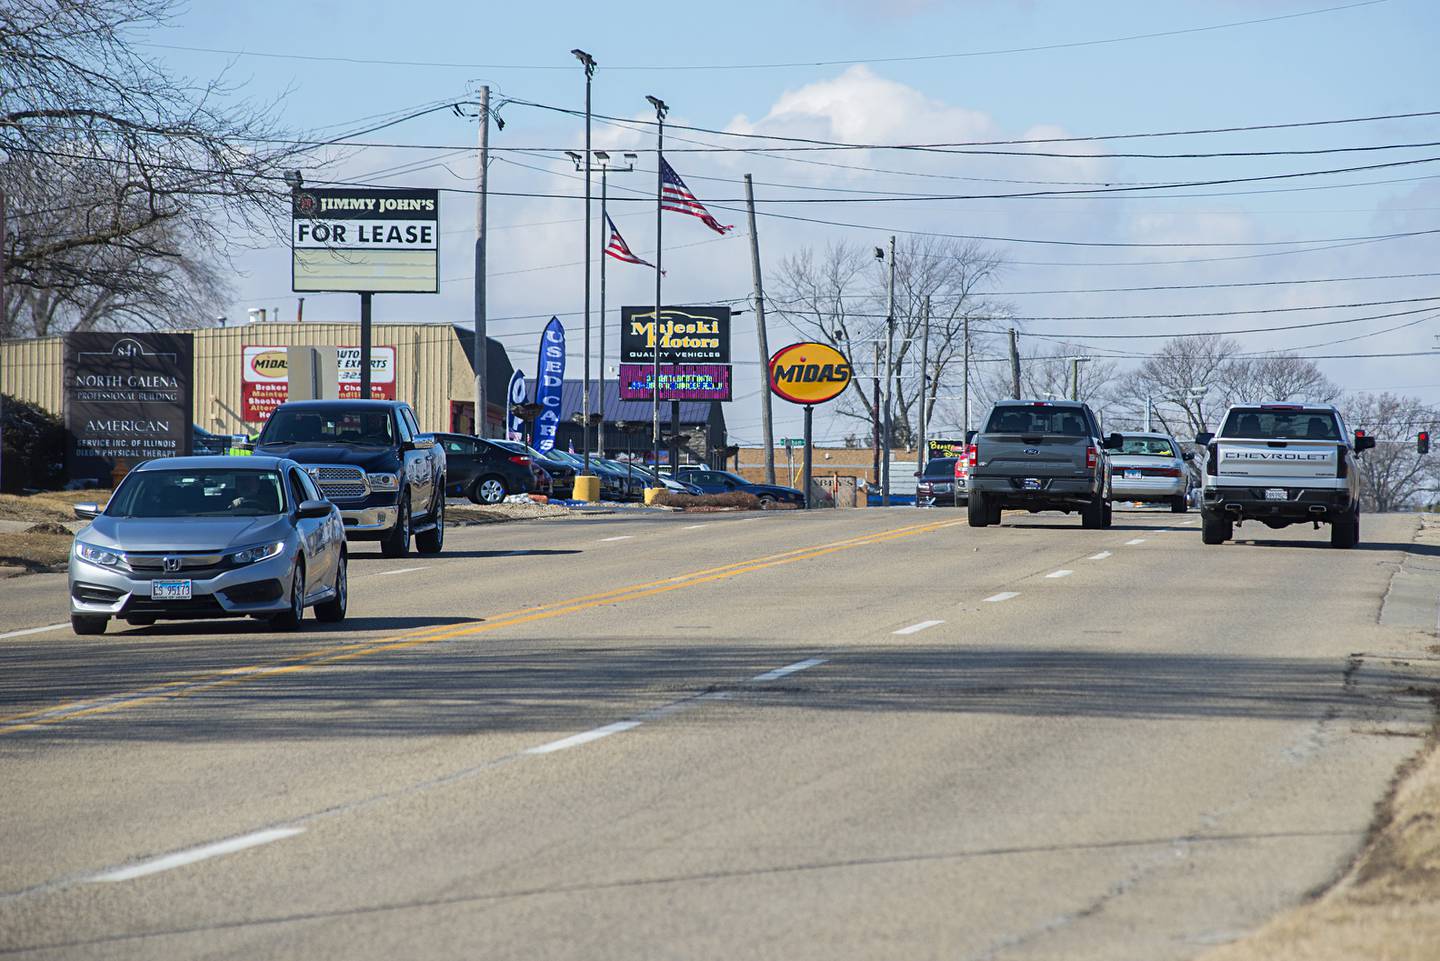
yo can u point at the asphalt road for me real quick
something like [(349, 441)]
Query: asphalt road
[(859, 734)]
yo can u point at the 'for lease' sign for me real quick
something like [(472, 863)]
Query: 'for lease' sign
[(365, 239)]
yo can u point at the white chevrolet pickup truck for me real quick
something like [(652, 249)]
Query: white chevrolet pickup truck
[(1282, 464)]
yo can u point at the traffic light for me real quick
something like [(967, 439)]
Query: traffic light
[(1422, 442)]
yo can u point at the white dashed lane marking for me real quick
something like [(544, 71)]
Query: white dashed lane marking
[(181, 858), (789, 669), (917, 628), (1099, 557), (401, 570), (622, 537), (584, 737), (1002, 596), (33, 630), (1053, 574), (1138, 540)]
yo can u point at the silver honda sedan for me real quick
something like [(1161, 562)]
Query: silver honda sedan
[(202, 537), (1151, 467)]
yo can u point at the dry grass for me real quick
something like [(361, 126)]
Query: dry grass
[(1387, 906), (36, 553), (465, 514), (734, 500), (47, 506)]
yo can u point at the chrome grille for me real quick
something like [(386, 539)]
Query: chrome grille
[(339, 482)]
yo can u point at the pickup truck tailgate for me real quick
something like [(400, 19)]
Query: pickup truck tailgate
[(1277, 460), (1044, 455)]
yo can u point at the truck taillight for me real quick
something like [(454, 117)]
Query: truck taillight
[(1212, 460), (972, 456), (1342, 469), (1091, 456)]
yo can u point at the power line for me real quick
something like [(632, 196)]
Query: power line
[(1073, 44)]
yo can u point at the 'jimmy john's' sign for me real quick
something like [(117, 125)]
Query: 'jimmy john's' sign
[(127, 397), (365, 239)]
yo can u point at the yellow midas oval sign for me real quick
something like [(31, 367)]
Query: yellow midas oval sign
[(809, 373)]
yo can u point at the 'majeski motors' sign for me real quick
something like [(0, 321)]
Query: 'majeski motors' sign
[(688, 335), (365, 239), (809, 373)]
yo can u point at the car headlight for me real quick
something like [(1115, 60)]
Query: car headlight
[(252, 555), (384, 482), (100, 556)]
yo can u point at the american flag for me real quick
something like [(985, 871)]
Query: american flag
[(619, 249), (674, 195)]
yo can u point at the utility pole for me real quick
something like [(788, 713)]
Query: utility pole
[(589, 63), (482, 355), (875, 411), (1015, 363), (921, 453), (1149, 406), (661, 109), (965, 379), (888, 429), (760, 333)]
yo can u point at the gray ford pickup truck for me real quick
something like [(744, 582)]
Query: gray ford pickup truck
[(1040, 455)]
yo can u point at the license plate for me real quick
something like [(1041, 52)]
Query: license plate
[(1132, 475), (1275, 494), (170, 590), (1031, 483)]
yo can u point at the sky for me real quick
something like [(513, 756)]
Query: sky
[(910, 71)]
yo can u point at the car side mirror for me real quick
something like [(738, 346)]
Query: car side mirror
[(421, 443), (1364, 442), (1204, 438), (1187, 456), (314, 509), (87, 511), (1114, 442)]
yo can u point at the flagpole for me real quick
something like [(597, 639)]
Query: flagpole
[(604, 245), (661, 109)]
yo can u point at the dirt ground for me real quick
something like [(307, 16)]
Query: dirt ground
[(1387, 907), (35, 552), (47, 506)]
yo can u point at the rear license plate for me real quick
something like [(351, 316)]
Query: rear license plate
[(1132, 475), (170, 590), (1031, 483), (1275, 494)]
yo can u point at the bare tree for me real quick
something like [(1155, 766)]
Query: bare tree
[(1049, 374), (839, 297), (1394, 474), (125, 184)]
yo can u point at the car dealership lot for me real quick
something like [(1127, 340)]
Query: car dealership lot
[(778, 734)]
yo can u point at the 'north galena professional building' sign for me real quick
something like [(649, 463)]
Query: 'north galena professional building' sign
[(127, 397)]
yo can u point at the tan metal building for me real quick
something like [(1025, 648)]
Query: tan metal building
[(433, 370)]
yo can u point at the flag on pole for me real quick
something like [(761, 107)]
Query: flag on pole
[(675, 196), (619, 249)]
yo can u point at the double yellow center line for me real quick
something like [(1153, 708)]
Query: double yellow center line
[(334, 654)]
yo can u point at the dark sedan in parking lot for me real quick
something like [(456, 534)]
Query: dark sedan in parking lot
[(562, 474), (722, 481), (485, 471)]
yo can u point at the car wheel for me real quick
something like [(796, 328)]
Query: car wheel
[(978, 510), (1216, 530), (333, 610), (1107, 518), (1179, 504), (433, 540), (397, 542), (290, 620), (765, 501), (488, 490), (88, 624), (1345, 532)]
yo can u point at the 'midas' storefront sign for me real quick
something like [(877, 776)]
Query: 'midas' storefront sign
[(265, 383), (127, 398)]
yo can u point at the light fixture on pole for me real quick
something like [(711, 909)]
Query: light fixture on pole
[(605, 169), (661, 109), (588, 62)]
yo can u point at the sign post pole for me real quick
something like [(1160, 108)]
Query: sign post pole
[(807, 472), (365, 297)]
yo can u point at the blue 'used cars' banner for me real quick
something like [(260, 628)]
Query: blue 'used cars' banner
[(549, 377), (515, 425)]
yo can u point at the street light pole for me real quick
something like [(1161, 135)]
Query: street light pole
[(921, 454), (889, 380), (589, 64), (661, 109)]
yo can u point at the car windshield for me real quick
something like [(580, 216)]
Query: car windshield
[(1260, 423), (198, 493), (1037, 419), (940, 467), (368, 428), (1149, 446)]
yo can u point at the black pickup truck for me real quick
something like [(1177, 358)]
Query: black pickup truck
[(369, 458), (1040, 455)]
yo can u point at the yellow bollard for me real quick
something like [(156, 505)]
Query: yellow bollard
[(652, 494), (587, 487)]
